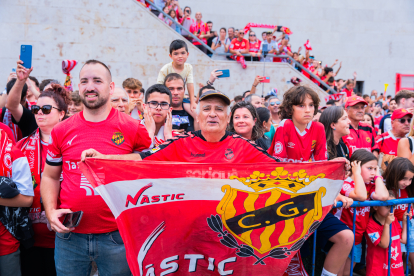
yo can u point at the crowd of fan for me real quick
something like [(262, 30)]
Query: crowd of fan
[(45, 129)]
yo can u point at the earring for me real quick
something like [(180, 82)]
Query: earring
[(334, 128)]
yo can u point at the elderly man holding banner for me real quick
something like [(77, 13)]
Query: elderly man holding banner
[(232, 210)]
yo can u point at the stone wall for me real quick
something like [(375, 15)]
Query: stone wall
[(372, 37), (124, 35)]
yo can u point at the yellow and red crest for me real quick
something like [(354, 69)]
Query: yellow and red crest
[(250, 216), (368, 139), (118, 138), (313, 144)]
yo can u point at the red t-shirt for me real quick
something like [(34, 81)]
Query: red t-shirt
[(239, 45), (348, 92), (400, 209), (377, 121), (193, 147), (308, 66), (8, 244), (289, 145), (362, 215), (387, 143), (362, 138), (255, 47), (377, 257), (118, 134), (199, 29), (8, 131)]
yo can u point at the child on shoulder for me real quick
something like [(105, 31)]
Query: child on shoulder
[(179, 54)]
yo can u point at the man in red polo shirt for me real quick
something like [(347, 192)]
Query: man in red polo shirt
[(99, 125), (362, 136), (238, 47), (388, 141)]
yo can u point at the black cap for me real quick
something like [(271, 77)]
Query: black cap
[(215, 93)]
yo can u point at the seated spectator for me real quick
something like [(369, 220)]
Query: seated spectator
[(201, 31), (182, 117), (221, 45), (254, 47), (213, 35), (16, 191), (266, 123), (336, 123), (158, 111), (171, 23), (268, 46), (51, 109), (187, 22), (75, 105), (120, 100), (255, 100), (133, 88), (238, 47), (18, 111), (245, 122)]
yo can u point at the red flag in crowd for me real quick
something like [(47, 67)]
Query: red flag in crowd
[(67, 66), (215, 219), (308, 45)]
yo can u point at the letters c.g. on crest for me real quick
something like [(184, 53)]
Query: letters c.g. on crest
[(275, 215)]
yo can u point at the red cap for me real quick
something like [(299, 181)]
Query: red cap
[(353, 100), (399, 113)]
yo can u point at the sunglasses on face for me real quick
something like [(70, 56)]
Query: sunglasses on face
[(241, 32), (273, 103), (46, 109), (402, 121), (163, 105), (252, 35)]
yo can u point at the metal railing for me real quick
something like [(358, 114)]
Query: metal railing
[(369, 204), (229, 54)]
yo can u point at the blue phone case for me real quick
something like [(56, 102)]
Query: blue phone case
[(26, 55), (226, 73)]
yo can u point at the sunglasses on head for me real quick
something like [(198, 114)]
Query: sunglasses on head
[(46, 109), (402, 121)]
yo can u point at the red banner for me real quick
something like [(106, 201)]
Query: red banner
[(215, 219), (285, 30), (335, 97)]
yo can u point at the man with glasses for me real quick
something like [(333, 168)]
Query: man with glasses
[(269, 46), (361, 136), (182, 118), (158, 115), (238, 47), (388, 141)]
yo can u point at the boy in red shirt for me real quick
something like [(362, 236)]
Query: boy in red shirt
[(378, 241), (238, 47), (298, 139)]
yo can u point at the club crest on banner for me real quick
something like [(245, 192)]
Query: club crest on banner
[(275, 218)]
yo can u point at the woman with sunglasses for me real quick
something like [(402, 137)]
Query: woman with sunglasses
[(254, 47), (51, 108), (245, 122), (220, 45)]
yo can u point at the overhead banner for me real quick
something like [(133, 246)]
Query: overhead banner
[(215, 219)]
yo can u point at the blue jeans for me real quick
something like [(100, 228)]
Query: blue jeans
[(75, 252)]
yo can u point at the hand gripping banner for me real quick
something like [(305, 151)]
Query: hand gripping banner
[(215, 219)]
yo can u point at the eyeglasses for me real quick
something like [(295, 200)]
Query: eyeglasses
[(402, 121), (241, 32), (252, 35), (46, 109), (154, 105)]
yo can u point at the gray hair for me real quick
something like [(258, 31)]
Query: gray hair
[(121, 88), (273, 98), (248, 99), (199, 108)]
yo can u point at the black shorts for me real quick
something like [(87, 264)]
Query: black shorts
[(329, 227)]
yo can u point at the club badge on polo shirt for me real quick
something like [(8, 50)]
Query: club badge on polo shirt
[(118, 138), (368, 139), (229, 154)]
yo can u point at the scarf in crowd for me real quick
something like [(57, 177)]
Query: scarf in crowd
[(31, 147), (282, 29), (7, 120), (67, 66), (14, 219)]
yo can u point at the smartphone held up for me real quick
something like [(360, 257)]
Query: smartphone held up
[(26, 55)]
